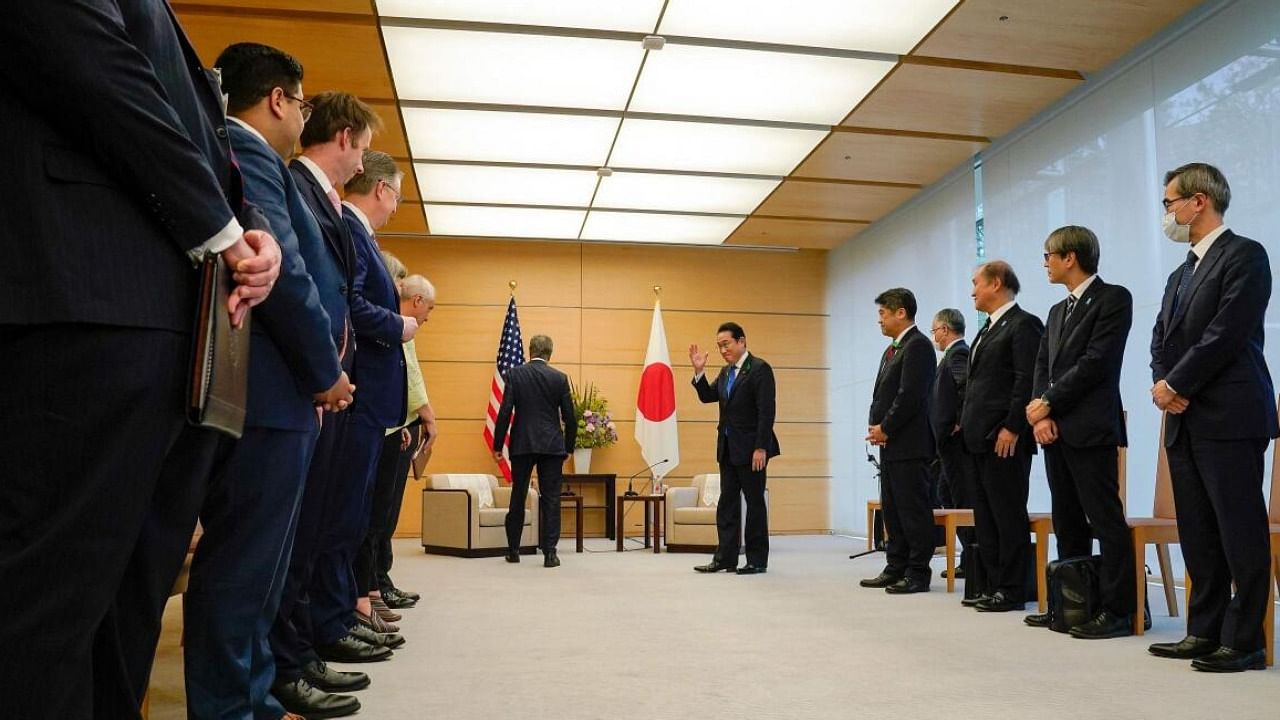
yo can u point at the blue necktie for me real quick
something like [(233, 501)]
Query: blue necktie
[(1184, 281), (728, 383)]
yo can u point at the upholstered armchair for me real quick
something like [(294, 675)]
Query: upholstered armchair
[(465, 514), (690, 516)]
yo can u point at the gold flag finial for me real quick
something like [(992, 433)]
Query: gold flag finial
[(512, 285), (657, 290)]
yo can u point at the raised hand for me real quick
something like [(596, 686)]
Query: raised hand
[(698, 359)]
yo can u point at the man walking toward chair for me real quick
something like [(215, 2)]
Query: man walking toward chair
[(1078, 418), (1212, 381), (538, 396)]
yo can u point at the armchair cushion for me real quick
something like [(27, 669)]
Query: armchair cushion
[(694, 516), (478, 485)]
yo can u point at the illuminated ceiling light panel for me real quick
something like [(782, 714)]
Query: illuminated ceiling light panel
[(492, 136), (511, 69), (684, 193), (504, 222), (625, 15), (712, 147), (754, 84), (868, 25), (505, 185), (654, 228)]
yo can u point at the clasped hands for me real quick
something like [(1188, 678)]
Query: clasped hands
[(1043, 428), (338, 397), (1166, 399), (254, 261)]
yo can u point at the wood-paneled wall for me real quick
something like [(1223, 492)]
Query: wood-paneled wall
[(596, 303)]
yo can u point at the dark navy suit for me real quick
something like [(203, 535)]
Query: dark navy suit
[(900, 406), (330, 260), (379, 377), (1210, 351), (250, 513), (116, 166), (958, 473)]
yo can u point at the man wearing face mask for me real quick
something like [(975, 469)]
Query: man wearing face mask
[(1212, 381)]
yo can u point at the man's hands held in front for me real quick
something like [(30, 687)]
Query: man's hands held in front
[(254, 261), (409, 329), (876, 436), (338, 397), (1166, 399), (698, 359), (1037, 410), (1045, 431)]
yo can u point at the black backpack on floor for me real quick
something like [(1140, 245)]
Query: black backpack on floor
[(1074, 594)]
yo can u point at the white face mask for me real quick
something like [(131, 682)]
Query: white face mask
[(1174, 231)]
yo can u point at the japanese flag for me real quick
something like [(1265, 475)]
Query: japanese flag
[(656, 403)]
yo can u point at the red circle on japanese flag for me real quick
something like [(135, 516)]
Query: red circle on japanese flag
[(657, 398)]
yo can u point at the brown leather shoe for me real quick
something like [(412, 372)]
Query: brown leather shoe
[(375, 623), (384, 612)]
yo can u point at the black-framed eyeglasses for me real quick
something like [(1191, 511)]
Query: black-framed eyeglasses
[(399, 195), (1046, 255), (936, 328), (1167, 202), (303, 106)]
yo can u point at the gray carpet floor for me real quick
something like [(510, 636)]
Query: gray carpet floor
[(638, 635)]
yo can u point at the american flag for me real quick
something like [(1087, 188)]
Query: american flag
[(510, 354)]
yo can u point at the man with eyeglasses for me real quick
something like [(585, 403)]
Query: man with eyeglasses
[(1077, 417), (371, 199), (945, 400), (745, 390), (1211, 380)]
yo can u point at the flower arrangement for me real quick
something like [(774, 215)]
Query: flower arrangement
[(595, 426)]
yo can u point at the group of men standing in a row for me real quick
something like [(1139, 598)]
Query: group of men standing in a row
[(983, 410), (131, 164)]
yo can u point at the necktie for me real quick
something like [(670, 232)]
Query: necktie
[(728, 382), (337, 202), (1184, 280), (1071, 306), (983, 331)]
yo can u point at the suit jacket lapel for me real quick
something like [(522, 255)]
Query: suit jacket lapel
[(980, 348), (1207, 264)]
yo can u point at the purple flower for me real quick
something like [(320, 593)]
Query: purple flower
[(590, 428)]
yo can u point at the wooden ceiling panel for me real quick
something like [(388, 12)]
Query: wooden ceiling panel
[(809, 234), (843, 201), (1084, 35), (408, 220), (338, 54), (350, 7), (957, 100), (392, 138), (886, 157)]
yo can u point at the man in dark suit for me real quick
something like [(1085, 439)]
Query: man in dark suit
[(333, 143), (946, 397), (993, 423), (746, 391), (251, 509), (1212, 380), (1078, 418), (899, 425), (371, 199), (97, 299), (542, 436)]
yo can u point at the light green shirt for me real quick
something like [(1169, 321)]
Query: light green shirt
[(416, 386)]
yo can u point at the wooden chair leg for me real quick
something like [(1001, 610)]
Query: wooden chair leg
[(1042, 565), (949, 533), (1186, 582), (1166, 577), (871, 528), (1140, 573), (1269, 623)]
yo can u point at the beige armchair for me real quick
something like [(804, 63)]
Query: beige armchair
[(454, 523), (690, 525)]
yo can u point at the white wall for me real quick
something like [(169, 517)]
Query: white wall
[(1207, 90)]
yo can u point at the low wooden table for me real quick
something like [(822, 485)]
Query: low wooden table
[(650, 501), (608, 485), (576, 500)]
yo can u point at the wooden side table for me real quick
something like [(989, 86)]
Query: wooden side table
[(608, 484), (654, 502), (576, 500)]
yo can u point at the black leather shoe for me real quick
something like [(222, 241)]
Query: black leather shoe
[(391, 641), (1105, 624), (1188, 648), (349, 649), (302, 698), (406, 594), (999, 602), (973, 601), (397, 600), (959, 574), (1039, 620), (513, 556), (1228, 660), (715, 566), (323, 677), (551, 560), (883, 580), (752, 570), (907, 586)]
